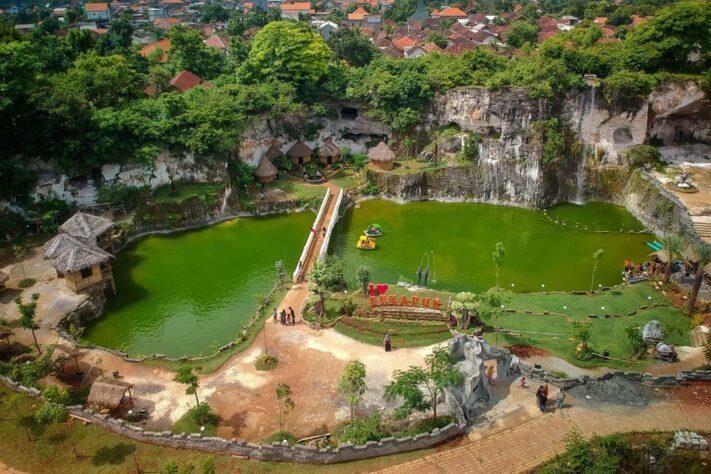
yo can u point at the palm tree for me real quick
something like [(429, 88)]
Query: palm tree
[(597, 255), (673, 246), (703, 257)]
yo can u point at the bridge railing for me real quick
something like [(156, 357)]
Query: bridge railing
[(331, 225), (300, 265)]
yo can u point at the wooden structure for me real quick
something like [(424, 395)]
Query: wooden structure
[(110, 395), (381, 157), (4, 277), (300, 153), (80, 252), (329, 153), (273, 152), (82, 265), (266, 172)]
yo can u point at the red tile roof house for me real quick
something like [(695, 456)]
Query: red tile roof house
[(150, 49), (219, 42), (165, 23), (357, 17), (97, 11), (449, 12), (292, 10), (185, 80)]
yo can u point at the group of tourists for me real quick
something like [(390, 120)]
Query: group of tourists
[(287, 318), (643, 270), (542, 397)]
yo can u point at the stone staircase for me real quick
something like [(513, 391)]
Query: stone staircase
[(702, 225)]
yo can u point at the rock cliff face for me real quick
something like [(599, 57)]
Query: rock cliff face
[(509, 168)]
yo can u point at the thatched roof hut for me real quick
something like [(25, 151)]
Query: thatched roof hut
[(4, 277), (70, 254), (273, 151), (266, 171), (329, 153), (382, 157), (86, 226), (299, 153), (109, 394)]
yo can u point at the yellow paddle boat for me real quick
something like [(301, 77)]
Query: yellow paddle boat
[(366, 243)]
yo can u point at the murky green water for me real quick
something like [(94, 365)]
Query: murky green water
[(462, 236), (189, 293)]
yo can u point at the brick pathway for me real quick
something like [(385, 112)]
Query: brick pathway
[(529, 444)]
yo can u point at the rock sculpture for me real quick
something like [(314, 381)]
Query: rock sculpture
[(652, 332), (472, 395)]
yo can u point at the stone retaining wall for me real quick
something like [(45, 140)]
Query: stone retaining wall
[(264, 452)]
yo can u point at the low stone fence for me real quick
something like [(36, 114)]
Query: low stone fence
[(405, 313), (265, 452), (635, 377)]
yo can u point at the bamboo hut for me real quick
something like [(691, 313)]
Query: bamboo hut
[(300, 153), (266, 171), (381, 157), (108, 395), (89, 228), (4, 277), (329, 153), (82, 264)]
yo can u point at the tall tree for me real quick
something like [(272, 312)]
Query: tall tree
[(497, 256), (351, 46), (287, 51), (422, 388), (352, 383), (27, 315), (478, 307), (703, 257), (186, 376), (363, 277), (597, 255), (673, 246), (188, 52), (286, 403)]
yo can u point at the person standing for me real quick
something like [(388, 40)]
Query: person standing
[(293, 315), (386, 342), (560, 399), (540, 398), (283, 316), (274, 315)]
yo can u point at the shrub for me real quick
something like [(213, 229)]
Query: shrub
[(26, 282), (644, 156), (266, 362), (280, 436), (116, 194), (634, 339), (626, 90), (470, 152), (371, 189), (547, 133), (361, 430)]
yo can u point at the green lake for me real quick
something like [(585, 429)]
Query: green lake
[(189, 293), (540, 253)]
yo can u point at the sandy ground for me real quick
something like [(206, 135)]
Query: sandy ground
[(699, 203)]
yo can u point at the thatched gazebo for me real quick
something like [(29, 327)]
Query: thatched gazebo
[(4, 277), (381, 157), (110, 395), (81, 263), (266, 171), (274, 151), (329, 153), (300, 153), (89, 228)]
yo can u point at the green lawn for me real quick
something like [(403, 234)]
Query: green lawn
[(345, 179), (185, 191), (102, 451), (607, 333), (298, 189)]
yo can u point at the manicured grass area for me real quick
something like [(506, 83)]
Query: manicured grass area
[(103, 451), (607, 333), (402, 333), (185, 191), (297, 189), (345, 179)]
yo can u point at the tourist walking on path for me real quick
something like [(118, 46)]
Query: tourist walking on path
[(541, 398), (283, 316), (288, 319), (274, 315), (386, 342), (560, 398), (293, 315)]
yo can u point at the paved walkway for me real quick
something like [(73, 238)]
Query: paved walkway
[(531, 443)]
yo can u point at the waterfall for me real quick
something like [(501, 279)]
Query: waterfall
[(580, 183), (227, 193)]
